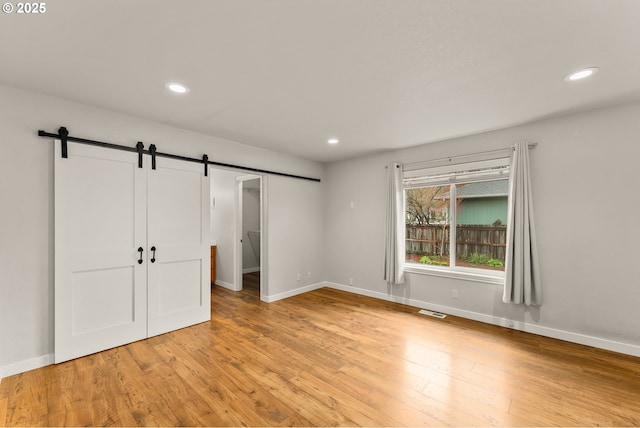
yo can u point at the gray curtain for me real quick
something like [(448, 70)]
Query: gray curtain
[(394, 253), (522, 271)]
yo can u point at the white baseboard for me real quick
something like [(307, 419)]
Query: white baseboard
[(251, 270), (582, 339), (292, 293), (224, 284), (26, 365)]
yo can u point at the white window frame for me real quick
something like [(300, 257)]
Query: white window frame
[(443, 173)]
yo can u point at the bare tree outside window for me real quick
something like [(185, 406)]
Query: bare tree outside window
[(425, 205)]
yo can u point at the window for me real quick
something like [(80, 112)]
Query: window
[(456, 217)]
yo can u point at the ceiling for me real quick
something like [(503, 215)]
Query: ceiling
[(289, 74)]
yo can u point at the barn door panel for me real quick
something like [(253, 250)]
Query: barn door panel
[(178, 227), (100, 222)]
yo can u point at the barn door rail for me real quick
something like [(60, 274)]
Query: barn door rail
[(64, 137)]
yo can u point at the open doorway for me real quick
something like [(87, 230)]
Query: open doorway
[(249, 233), (238, 231)]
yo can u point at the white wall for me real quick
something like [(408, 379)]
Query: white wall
[(26, 214), (586, 206), (295, 228)]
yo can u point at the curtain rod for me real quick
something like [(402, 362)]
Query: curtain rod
[(456, 159), (63, 135)]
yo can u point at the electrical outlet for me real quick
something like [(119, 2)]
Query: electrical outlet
[(298, 277), (454, 294), (309, 275), (350, 281)]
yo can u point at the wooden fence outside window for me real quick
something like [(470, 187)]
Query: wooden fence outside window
[(433, 240)]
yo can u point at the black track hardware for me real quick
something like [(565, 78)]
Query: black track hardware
[(64, 137)]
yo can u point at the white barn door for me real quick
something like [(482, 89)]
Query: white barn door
[(179, 284), (100, 222), (131, 248)]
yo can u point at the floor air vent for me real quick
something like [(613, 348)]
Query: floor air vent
[(432, 314)]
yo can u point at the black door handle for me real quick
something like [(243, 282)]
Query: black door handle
[(153, 256), (140, 259)]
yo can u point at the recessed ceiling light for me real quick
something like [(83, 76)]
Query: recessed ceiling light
[(580, 74), (178, 88), (333, 141)]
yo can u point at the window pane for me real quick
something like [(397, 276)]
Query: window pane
[(427, 225), (481, 224)]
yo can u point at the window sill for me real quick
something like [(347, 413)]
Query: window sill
[(497, 279)]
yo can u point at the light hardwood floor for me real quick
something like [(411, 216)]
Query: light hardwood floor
[(330, 358)]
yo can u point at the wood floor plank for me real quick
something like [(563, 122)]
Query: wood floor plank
[(130, 380), (247, 380), (70, 406), (330, 358), (243, 401), (334, 398), (408, 416), (4, 400), (31, 402)]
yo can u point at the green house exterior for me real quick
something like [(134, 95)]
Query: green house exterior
[(482, 203), (485, 210)]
